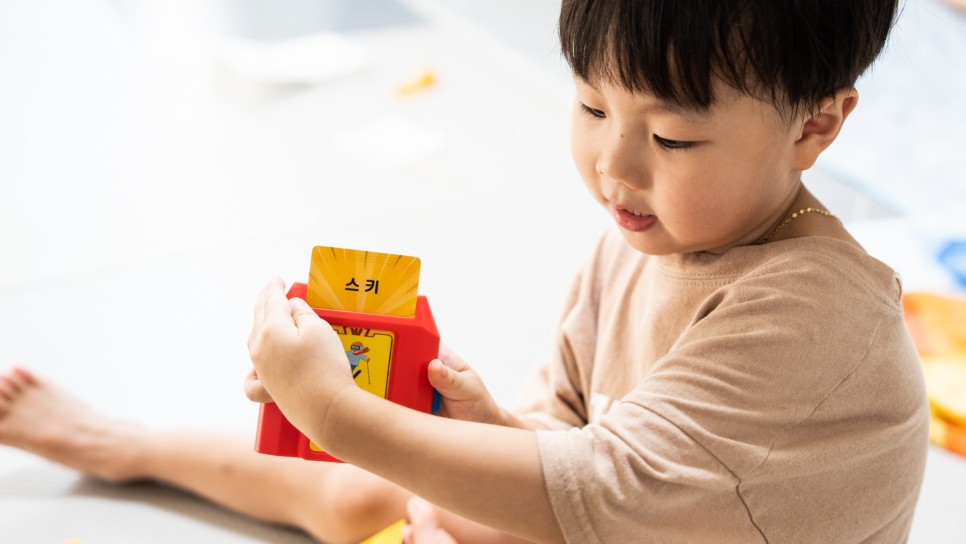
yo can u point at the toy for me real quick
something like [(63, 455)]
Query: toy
[(388, 356)]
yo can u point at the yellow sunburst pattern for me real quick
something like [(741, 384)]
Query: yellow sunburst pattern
[(363, 281)]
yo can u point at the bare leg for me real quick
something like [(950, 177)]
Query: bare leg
[(332, 502)]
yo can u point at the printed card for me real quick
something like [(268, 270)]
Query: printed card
[(363, 281)]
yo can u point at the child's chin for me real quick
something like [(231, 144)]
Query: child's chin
[(647, 243)]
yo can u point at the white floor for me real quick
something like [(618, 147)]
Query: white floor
[(150, 185)]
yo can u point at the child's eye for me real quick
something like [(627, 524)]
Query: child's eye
[(672, 144), (591, 111)]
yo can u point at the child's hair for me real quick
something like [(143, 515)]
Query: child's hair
[(792, 53)]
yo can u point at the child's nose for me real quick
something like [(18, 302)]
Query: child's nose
[(623, 159)]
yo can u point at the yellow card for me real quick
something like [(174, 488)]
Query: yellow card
[(363, 281)]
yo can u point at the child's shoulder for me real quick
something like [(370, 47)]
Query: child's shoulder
[(825, 267)]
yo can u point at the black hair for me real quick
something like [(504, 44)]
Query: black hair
[(792, 53)]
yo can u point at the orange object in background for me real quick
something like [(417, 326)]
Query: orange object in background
[(937, 324)]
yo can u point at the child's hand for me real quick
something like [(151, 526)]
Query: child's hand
[(423, 527), (298, 358), (254, 389), (464, 395)]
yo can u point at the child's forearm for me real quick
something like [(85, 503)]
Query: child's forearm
[(487, 473)]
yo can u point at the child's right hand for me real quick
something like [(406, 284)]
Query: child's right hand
[(464, 395), (254, 389)]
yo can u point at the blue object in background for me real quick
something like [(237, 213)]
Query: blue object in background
[(953, 257)]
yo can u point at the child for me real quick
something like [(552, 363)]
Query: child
[(732, 366)]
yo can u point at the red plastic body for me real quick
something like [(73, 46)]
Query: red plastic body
[(415, 344)]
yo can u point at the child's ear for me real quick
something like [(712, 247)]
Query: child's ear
[(822, 126)]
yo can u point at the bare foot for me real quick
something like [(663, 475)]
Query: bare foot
[(40, 418)]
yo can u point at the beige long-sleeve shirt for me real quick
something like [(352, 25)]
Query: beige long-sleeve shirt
[(770, 394)]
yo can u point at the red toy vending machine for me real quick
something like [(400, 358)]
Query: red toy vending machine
[(388, 356)]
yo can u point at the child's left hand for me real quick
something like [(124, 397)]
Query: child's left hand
[(464, 394), (298, 358)]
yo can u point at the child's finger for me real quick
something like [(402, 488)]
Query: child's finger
[(423, 526), (419, 511), (254, 389), (302, 314), (259, 310), (272, 312), (451, 359), (450, 383), (276, 303), (267, 303)]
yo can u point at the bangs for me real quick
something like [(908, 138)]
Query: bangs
[(630, 45), (788, 53)]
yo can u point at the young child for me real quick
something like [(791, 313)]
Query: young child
[(732, 366)]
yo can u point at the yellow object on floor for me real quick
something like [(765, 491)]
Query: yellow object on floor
[(938, 327), (390, 535), (425, 81), (946, 384)]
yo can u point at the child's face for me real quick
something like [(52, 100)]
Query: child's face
[(678, 182)]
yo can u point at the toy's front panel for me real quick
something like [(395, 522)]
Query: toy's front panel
[(387, 356), (369, 355)]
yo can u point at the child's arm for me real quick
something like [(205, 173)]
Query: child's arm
[(487, 473)]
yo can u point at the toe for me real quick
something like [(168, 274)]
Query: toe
[(8, 389), (24, 376)]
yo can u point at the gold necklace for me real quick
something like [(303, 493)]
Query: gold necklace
[(789, 219)]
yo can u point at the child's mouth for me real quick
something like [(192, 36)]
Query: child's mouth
[(631, 220)]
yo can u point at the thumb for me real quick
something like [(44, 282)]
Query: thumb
[(448, 373), (441, 377), (303, 314), (450, 383), (451, 359)]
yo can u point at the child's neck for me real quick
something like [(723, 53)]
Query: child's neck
[(807, 224)]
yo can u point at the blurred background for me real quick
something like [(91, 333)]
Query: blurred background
[(160, 160)]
